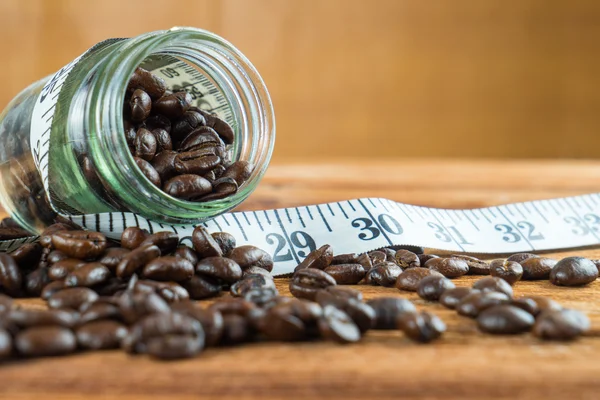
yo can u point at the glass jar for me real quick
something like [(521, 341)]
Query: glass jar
[(62, 143)]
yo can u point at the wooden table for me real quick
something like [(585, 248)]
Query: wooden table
[(463, 365)]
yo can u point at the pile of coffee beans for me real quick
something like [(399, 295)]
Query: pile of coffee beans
[(182, 149)]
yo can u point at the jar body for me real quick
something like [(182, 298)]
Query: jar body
[(73, 151)]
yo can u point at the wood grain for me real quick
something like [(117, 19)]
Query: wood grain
[(476, 78), (464, 364)]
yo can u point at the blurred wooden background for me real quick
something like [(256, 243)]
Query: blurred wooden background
[(377, 78)]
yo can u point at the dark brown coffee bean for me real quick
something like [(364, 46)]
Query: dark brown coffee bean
[(362, 314), (188, 122), (493, 284), (365, 261), (88, 275), (52, 288), (422, 326), (423, 258), (187, 186), (112, 257), (560, 325), (318, 259), (343, 292), (222, 187), (46, 236), (166, 241), (174, 347), (510, 271), (337, 326), (100, 335), (13, 233), (253, 282), (451, 297), (137, 259), (80, 244), (26, 318), (211, 320), (157, 122), (536, 304), (134, 306), (145, 144), (377, 256), (173, 105), (306, 282), (35, 281), (163, 140), (384, 273), (236, 330), (147, 81), (55, 256), (206, 246), (72, 298), (432, 287), (130, 133), (351, 258), (196, 162), (249, 256), (388, 309), (202, 287), (409, 279), (187, 253), (573, 271), (140, 104), (449, 267), (202, 137), (240, 171), (407, 259), (474, 303), (10, 275), (132, 237), (223, 129), (537, 268), (28, 255), (5, 303), (225, 240), (148, 171), (505, 320), (520, 257), (61, 269), (280, 324), (476, 266), (347, 274), (221, 268), (5, 344), (169, 268), (100, 311), (164, 164), (44, 341)]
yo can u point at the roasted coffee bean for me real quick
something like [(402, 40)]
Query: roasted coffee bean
[(474, 303), (347, 274), (13, 233), (252, 282), (256, 271), (236, 330), (100, 311), (26, 318), (222, 187), (169, 268), (148, 82), (52, 288), (88, 275), (337, 326), (536, 268), (113, 286), (112, 257), (163, 140), (61, 269), (157, 122), (187, 253), (202, 287), (43, 341), (449, 267), (536, 304), (5, 303), (362, 314), (318, 259), (80, 244), (187, 186), (148, 171), (493, 284), (343, 292), (388, 309), (137, 259), (132, 237), (202, 137), (306, 282), (145, 144), (130, 133), (384, 273), (520, 257), (134, 306), (423, 258), (196, 162), (233, 305), (560, 325), (5, 344), (55, 256), (27, 255), (166, 241), (172, 292), (249, 256), (164, 164), (46, 236), (225, 240), (390, 254), (100, 335), (140, 104), (211, 320), (35, 281), (476, 266), (172, 347), (72, 298), (10, 275), (280, 324), (188, 122), (422, 326), (223, 129), (240, 171), (573, 271), (505, 320), (432, 287), (365, 261), (173, 105), (407, 259), (222, 268), (510, 271), (377, 256), (409, 279), (206, 246), (351, 258)]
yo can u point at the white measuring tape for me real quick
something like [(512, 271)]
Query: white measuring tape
[(357, 226)]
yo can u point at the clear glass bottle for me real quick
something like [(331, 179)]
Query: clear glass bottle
[(89, 167)]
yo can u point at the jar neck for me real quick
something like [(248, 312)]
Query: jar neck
[(219, 61)]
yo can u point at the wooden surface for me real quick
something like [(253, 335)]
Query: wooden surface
[(475, 78), (463, 365)]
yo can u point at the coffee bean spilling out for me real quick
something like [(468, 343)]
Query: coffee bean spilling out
[(181, 149)]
